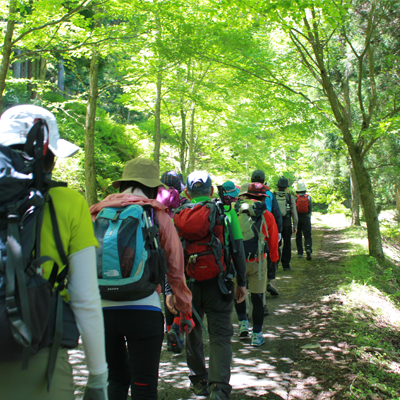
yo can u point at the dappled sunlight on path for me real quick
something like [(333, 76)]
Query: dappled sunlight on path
[(303, 357)]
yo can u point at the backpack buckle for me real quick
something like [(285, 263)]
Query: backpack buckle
[(192, 259), (11, 306), (13, 217)]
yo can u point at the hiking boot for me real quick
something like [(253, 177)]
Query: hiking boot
[(169, 344), (200, 388), (257, 339), (308, 255), (287, 268), (300, 255), (244, 329), (217, 394), (266, 312), (174, 337), (271, 288)]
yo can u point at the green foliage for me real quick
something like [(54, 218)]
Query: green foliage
[(16, 93), (115, 144)]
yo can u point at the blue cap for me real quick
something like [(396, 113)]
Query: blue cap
[(230, 189), (198, 180)]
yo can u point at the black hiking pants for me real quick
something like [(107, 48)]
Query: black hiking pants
[(207, 299), (271, 268), (285, 254), (304, 228), (133, 347)]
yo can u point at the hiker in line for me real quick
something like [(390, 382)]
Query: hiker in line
[(77, 242), (231, 192), (171, 199), (260, 237), (208, 255), (134, 329), (304, 210), (287, 205), (273, 207), (174, 180)]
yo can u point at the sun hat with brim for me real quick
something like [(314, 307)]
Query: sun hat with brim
[(16, 122), (141, 170), (230, 189), (243, 189), (283, 182), (256, 189), (301, 187)]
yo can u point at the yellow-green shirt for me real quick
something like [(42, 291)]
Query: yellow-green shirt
[(75, 225)]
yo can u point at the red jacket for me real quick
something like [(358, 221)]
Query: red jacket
[(169, 240), (273, 239)]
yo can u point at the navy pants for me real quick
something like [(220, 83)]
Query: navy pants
[(304, 228)]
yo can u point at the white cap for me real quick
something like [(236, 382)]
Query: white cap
[(16, 122), (301, 187)]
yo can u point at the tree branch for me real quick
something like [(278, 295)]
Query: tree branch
[(382, 165), (65, 18), (303, 52), (368, 146)]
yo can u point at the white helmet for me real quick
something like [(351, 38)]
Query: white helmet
[(16, 122), (301, 187)]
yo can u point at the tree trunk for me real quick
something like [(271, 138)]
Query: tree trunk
[(90, 173), (6, 53), (398, 205), (192, 156), (42, 69), (343, 120), (157, 122), (355, 198), (31, 76), (368, 201), (182, 151), (61, 77), (17, 66)]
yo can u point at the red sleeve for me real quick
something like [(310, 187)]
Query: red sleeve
[(171, 244), (273, 238)]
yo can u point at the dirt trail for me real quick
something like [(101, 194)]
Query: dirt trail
[(279, 369), (269, 371)]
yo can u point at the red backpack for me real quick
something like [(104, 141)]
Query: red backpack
[(202, 228), (302, 204)]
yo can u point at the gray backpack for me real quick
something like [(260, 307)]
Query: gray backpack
[(283, 200)]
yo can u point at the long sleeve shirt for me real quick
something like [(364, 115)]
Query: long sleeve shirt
[(293, 210)]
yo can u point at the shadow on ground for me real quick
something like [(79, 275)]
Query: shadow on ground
[(301, 358)]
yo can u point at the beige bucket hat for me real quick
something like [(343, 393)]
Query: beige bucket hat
[(141, 170), (243, 189)]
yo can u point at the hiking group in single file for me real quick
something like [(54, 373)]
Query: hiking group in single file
[(70, 271)]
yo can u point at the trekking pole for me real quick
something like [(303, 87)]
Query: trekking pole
[(148, 223)]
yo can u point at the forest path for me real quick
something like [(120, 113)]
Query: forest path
[(309, 352), (276, 370)]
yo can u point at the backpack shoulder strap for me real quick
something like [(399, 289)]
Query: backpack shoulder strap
[(58, 329)]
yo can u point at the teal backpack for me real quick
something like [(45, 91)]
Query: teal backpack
[(130, 261)]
